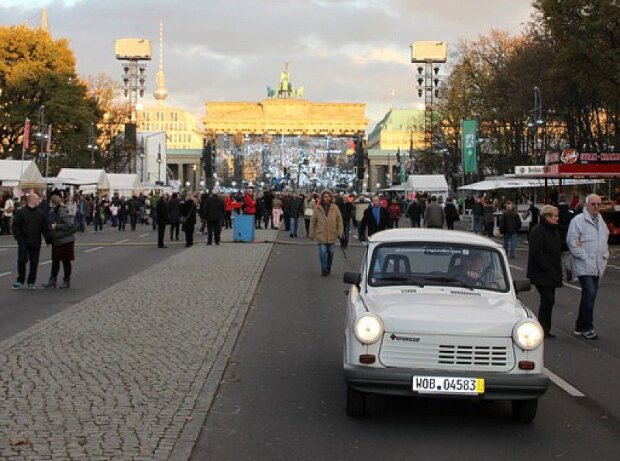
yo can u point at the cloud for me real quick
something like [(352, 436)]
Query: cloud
[(339, 50)]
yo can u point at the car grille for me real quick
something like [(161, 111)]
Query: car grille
[(447, 352)]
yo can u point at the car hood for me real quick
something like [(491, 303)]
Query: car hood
[(446, 312)]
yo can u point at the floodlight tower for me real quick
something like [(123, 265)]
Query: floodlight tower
[(428, 56), (132, 52)]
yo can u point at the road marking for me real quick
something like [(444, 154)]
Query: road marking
[(569, 389), (609, 265), (90, 250), (516, 267), (123, 241), (4, 274), (574, 287), (143, 235), (45, 263)]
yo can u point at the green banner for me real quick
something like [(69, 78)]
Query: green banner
[(469, 129)]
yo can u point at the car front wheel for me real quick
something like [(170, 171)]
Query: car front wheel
[(524, 411), (356, 403)]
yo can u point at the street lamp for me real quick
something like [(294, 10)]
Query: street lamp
[(92, 144), (202, 185), (187, 184), (535, 121), (159, 162)]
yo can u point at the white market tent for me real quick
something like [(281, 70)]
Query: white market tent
[(514, 183), (87, 180), (20, 173), (427, 183), (124, 184)]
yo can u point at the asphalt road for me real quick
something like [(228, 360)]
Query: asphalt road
[(283, 395), (102, 259)]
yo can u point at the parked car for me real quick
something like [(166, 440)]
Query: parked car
[(435, 313)]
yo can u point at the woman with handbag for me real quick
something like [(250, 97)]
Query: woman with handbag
[(63, 240), (188, 219)]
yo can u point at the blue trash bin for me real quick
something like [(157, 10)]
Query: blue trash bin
[(243, 228)]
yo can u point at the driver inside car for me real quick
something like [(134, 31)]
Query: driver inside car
[(472, 270)]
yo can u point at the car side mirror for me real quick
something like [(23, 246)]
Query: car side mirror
[(352, 278), (522, 285)]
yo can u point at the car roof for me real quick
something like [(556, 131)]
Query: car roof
[(432, 235)]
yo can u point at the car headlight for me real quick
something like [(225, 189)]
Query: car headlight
[(528, 335), (368, 328)]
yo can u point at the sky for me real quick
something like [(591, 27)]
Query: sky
[(232, 50)]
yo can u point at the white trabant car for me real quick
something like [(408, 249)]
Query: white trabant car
[(435, 313)]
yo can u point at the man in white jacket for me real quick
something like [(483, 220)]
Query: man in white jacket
[(587, 242)]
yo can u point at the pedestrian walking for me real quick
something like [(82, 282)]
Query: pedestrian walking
[(395, 213), (123, 212), (9, 209), (114, 206), (544, 263), (29, 225), (174, 216), (295, 211), (326, 228), (376, 218), (188, 219), (478, 214), (346, 211), (162, 219), (414, 213), (134, 213), (490, 207), (587, 241), (534, 214), (362, 203), (434, 216), (511, 223), (276, 212), (268, 205), (215, 211), (98, 214), (309, 204), (63, 240), (451, 212), (565, 217)]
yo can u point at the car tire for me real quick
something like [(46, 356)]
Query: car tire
[(524, 411), (356, 403)]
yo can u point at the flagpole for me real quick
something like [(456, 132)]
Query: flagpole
[(25, 145)]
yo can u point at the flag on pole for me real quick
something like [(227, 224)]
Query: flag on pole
[(469, 129), (27, 133)]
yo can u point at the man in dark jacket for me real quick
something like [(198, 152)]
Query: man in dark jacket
[(511, 223), (414, 212), (544, 265), (29, 224), (376, 218), (188, 211), (214, 213), (162, 219), (346, 211), (451, 213), (174, 216), (295, 209)]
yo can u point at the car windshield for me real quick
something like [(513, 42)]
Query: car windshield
[(424, 264)]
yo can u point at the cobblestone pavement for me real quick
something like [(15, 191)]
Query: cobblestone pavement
[(130, 372)]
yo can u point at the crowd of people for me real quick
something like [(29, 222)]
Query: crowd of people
[(567, 241)]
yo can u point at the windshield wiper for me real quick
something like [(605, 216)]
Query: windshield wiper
[(445, 279), (401, 278)]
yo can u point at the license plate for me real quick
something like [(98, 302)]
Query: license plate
[(448, 385)]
